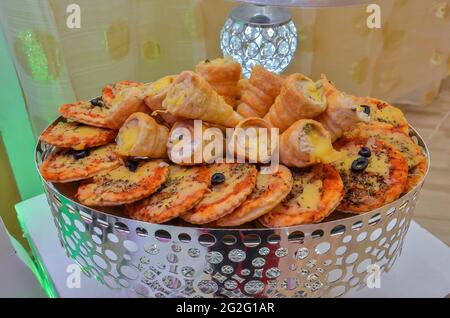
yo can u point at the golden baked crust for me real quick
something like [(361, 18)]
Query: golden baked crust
[(109, 91), (269, 190), (416, 174), (315, 194), (411, 151), (142, 136), (120, 185), (86, 113), (184, 188), (61, 166), (109, 113), (223, 75), (382, 182), (299, 98), (240, 179), (384, 112), (77, 136)]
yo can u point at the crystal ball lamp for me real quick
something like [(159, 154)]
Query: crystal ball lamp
[(264, 35)]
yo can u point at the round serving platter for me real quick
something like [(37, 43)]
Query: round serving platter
[(328, 259)]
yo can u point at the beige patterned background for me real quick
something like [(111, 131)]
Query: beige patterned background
[(403, 62)]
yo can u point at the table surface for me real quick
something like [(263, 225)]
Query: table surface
[(423, 269)]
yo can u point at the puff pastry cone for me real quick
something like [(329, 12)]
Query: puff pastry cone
[(189, 139), (342, 114), (154, 95), (110, 91), (306, 143), (258, 92), (125, 102), (249, 136), (300, 98), (142, 136), (190, 96), (223, 75)]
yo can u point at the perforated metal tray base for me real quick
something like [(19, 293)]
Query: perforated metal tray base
[(317, 260)]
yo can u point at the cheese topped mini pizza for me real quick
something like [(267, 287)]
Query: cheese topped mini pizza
[(381, 111), (184, 188), (411, 151), (231, 183), (125, 184), (316, 192), (77, 136), (374, 173), (109, 113), (70, 165), (93, 113), (269, 190)]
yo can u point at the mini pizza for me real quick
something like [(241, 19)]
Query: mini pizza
[(110, 113), (416, 174), (409, 149), (374, 173), (93, 113), (184, 188), (315, 194), (127, 183), (381, 111), (69, 165), (269, 190), (231, 183), (77, 136)]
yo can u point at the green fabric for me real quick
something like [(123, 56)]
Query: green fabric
[(15, 127)]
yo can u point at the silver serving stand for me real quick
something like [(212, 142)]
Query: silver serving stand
[(156, 260)]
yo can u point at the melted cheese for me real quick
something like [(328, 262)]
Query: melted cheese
[(123, 173), (378, 164), (127, 138), (388, 114), (322, 148), (311, 195), (313, 90), (161, 84)]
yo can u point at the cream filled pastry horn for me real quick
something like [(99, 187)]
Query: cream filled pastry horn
[(306, 143), (142, 136), (154, 95), (342, 114), (223, 75), (190, 96), (300, 98), (258, 92), (253, 140), (194, 141)]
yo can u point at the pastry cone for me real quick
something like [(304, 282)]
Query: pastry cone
[(155, 93), (341, 115), (258, 92), (141, 136), (306, 143), (223, 75), (110, 91), (190, 96), (126, 102), (193, 137), (299, 98), (247, 144)]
